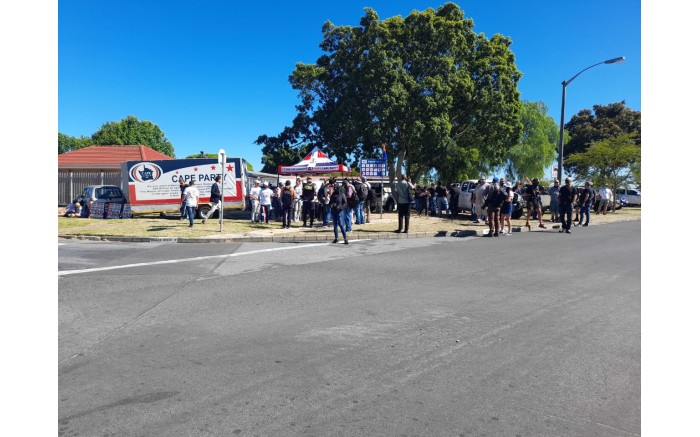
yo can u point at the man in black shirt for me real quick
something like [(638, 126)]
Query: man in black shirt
[(567, 197), (308, 192)]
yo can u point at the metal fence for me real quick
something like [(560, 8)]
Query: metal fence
[(71, 183)]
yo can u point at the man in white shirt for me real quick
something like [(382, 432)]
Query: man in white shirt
[(255, 202), (297, 200), (265, 202), (605, 198), (191, 198)]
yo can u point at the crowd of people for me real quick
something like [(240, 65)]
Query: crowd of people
[(349, 202)]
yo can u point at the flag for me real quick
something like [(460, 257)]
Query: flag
[(384, 152)]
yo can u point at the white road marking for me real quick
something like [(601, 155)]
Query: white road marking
[(199, 258)]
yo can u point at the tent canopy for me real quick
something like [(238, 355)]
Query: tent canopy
[(316, 162)]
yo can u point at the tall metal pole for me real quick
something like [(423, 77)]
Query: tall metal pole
[(560, 168), (560, 171)]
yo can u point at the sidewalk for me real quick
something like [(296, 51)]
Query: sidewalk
[(378, 229)]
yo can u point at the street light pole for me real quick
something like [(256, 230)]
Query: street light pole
[(560, 169)]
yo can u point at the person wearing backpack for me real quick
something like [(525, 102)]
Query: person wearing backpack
[(362, 193), (287, 199)]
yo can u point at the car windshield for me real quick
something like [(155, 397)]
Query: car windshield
[(106, 193)]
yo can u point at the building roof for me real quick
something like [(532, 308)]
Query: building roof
[(107, 156)]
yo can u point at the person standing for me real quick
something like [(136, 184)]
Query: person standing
[(494, 198), (454, 199), (297, 200), (605, 196), (554, 201), (567, 198), (287, 204), (337, 203), (191, 198), (308, 193), (265, 202), (507, 208), (351, 200), (183, 208), (441, 199), (423, 196), (479, 192), (404, 203), (432, 199), (587, 200), (215, 199), (255, 202), (323, 199), (368, 201), (534, 203)]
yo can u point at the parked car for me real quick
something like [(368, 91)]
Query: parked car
[(388, 201), (629, 196), (100, 193)]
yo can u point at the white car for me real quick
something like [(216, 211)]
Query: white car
[(629, 196)]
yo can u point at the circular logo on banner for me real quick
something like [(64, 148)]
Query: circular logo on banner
[(145, 172)]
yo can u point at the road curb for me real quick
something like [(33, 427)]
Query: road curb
[(312, 238)]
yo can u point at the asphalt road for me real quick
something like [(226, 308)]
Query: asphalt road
[(537, 334)]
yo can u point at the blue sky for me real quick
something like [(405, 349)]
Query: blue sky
[(214, 74)]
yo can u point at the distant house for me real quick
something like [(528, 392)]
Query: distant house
[(97, 165)]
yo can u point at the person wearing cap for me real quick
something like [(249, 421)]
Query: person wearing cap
[(191, 198), (287, 204), (507, 208), (255, 202), (534, 202), (215, 199), (265, 202), (567, 198), (308, 193), (337, 203), (297, 200)]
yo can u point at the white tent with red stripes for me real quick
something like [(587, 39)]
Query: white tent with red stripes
[(316, 162)]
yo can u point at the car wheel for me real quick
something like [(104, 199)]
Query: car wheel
[(389, 205), (517, 214), (203, 210)]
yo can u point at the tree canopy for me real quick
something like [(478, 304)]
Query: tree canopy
[(537, 146), (129, 131), (437, 94), (613, 161), (604, 122)]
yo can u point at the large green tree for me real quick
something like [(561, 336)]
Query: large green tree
[(132, 131), (537, 146), (603, 122), (436, 93)]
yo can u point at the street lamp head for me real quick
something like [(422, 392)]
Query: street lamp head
[(615, 60)]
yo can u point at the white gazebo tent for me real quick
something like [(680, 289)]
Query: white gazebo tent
[(316, 162)]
